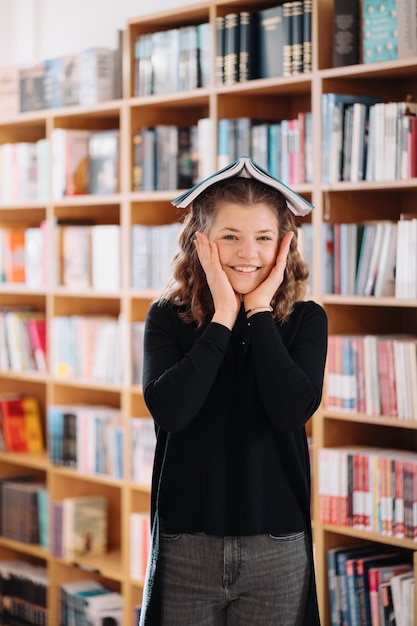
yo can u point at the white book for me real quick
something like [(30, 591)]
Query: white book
[(205, 143), (143, 444), (105, 257), (385, 278), (33, 256)]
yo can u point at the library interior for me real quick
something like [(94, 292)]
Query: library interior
[(106, 116)]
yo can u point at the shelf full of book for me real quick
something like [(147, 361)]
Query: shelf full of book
[(88, 261)]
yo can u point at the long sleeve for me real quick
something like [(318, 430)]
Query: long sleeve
[(290, 375), (179, 369)]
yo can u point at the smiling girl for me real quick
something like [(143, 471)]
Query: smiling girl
[(233, 369)]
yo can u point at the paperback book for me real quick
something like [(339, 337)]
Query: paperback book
[(246, 168)]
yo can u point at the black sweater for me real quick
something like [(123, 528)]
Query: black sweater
[(234, 404)]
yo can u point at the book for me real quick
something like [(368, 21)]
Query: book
[(231, 48), (165, 61), (204, 52), (188, 58), (346, 26), (143, 444), (21, 424), (245, 167), (31, 88), (307, 36), (9, 91), (69, 153), (248, 46), (220, 50), (53, 71), (95, 75), (388, 30), (85, 522), (287, 29), (297, 37), (105, 257), (376, 576), (103, 162), (70, 80), (270, 42), (74, 252), (398, 595)]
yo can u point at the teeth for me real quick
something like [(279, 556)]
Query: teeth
[(248, 270)]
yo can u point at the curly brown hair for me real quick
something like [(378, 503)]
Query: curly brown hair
[(188, 286)]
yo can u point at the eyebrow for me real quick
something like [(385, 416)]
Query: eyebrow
[(258, 232)]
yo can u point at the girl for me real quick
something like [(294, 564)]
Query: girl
[(233, 369)]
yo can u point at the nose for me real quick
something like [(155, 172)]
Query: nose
[(247, 249)]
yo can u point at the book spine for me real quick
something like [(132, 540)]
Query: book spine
[(287, 12), (307, 36), (297, 37), (231, 53), (220, 50), (247, 46), (345, 32)]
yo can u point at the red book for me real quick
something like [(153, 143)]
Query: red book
[(14, 424), (37, 333), (21, 423)]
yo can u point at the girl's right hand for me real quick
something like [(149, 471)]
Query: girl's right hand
[(226, 300)]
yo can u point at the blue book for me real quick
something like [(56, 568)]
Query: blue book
[(341, 558)]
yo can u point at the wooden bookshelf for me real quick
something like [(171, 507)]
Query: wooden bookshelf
[(275, 99)]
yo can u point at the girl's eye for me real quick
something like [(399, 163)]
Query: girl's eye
[(229, 237), (265, 238)]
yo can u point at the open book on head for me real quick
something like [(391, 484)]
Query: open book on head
[(246, 168)]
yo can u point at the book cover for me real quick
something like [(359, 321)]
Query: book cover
[(204, 52), (70, 80), (346, 26), (188, 58), (105, 257), (245, 167), (165, 56), (14, 255), (75, 255), (95, 75), (14, 424), (33, 424), (143, 444), (271, 42), (53, 74), (85, 524), (31, 88), (103, 162), (9, 91)]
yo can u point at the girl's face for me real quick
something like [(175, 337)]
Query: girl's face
[(247, 240)]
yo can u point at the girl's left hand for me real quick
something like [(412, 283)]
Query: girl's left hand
[(263, 294)]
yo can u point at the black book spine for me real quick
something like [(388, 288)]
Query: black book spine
[(219, 59), (345, 32), (297, 37), (287, 38), (248, 46), (307, 36), (270, 42), (231, 53)]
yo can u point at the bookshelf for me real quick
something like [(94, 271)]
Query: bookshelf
[(266, 98)]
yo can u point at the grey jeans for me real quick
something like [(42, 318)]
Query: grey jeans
[(258, 580)]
